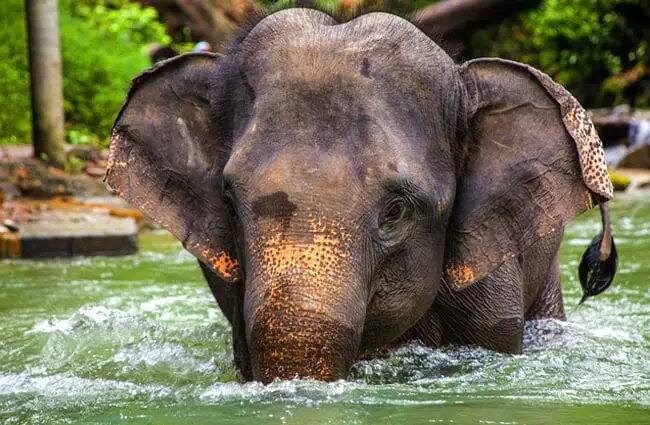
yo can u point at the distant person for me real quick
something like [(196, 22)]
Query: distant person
[(158, 53), (202, 46)]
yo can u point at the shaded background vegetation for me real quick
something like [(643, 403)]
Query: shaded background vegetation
[(598, 49), (102, 48)]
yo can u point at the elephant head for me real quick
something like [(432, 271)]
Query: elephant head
[(336, 174)]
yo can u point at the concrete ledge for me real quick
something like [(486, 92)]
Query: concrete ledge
[(86, 246), (50, 229)]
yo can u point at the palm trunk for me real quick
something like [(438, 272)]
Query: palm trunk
[(46, 80)]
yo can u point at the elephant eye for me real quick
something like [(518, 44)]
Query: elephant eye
[(394, 212)]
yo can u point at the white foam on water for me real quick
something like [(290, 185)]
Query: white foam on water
[(162, 302), (49, 326), (171, 257), (303, 391), (579, 242), (172, 356), (68, 385), (86, 316)]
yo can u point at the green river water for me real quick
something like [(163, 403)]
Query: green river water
[(139, 340)]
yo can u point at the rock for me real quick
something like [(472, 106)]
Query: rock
[(97, 172), (616, 125), (37, 180), (9, 191), (11, 225), (85, 153), (637, 157), (64, 228)]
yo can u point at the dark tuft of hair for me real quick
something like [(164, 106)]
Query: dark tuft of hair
[(596, 274)]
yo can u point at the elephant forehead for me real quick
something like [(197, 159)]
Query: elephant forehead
[(301, 45), (333, 156), (300, 172)]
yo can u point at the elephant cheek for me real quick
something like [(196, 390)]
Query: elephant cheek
[(305, 310)]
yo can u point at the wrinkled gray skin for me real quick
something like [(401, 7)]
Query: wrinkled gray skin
[(349, 169)]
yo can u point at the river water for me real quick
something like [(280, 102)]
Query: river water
[(139, 340)]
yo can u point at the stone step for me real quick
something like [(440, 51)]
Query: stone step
[(50, 229)]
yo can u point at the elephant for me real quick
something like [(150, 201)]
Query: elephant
[(347, 187)]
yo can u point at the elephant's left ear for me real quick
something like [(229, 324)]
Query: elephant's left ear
[(535, 162)]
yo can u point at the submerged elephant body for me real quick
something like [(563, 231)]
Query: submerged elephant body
[(347, 186)]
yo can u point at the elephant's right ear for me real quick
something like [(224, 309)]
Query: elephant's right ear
[(165, 157)]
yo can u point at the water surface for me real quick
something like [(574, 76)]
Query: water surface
[(139, 340)]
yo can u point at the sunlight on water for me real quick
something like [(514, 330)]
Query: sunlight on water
[(140, 340)]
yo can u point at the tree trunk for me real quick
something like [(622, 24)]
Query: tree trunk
[(46, 80), (462, 17)]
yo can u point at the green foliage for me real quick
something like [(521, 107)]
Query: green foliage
[(100, 57), (598, 49), (619, 181), (103, 46), (271, 5), (120, 20), (15, 114)]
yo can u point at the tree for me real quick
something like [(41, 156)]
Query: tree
[(46, 80), (460, 18)]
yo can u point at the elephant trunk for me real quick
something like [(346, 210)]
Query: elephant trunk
[(304, 307), (286, 344)]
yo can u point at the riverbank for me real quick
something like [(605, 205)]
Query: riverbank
[(48, 213)]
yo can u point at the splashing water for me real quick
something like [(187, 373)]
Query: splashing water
[(139, 340)]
